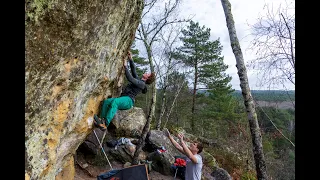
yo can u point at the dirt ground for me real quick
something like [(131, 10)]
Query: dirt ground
[(85, 170)]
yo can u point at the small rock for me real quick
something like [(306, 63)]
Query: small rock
[(127, 164), (85, 165)]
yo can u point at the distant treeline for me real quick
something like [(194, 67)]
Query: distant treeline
[(264, 95), (269, 95)]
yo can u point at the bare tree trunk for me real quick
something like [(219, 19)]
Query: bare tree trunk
[(248, 100), (174, 100), (168, 42), (194, 87), (145, 131), (163, 102), (154, 90), (194, 94), (146, 128), (148, 36), (153, 102)]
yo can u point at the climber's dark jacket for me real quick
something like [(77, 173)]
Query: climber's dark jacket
[(135, 85)]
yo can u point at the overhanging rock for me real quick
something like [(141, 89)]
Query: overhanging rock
[(73, 60)]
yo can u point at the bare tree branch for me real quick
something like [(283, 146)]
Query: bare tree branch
[(290, 38), (274, 45), (150, 6), (173, 102)]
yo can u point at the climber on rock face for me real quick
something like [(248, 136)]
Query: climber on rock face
[(126, 100)]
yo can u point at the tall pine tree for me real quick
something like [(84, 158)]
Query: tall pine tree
[(204, 56)]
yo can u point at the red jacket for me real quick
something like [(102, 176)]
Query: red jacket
[(180, 162)]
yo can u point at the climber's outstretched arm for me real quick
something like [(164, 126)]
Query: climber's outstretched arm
[(132, 66), (133, 80)]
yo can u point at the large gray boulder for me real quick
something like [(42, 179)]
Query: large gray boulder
[(128, 123), (121, 154), (220, 174), (161, 162)]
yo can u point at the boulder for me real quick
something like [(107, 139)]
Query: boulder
[(161, 162), (128, 123), (121, 154), (220, 174), (91, 144), (73, 59), (124, 152)]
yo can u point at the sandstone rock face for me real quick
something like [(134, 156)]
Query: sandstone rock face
[(91, 144), (73, 60)]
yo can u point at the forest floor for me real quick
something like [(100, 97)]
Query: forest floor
[(90, 172)]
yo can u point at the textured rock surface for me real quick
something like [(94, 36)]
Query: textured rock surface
[(68, 171), (209, 160), (91, 144), (220, 174), (121, 154), (161, 162), (129, 123), (157, 138), (74, 52)]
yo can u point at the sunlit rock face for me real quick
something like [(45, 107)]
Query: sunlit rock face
[(73, 60)]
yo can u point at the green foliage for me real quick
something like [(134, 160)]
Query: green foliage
[(248, 176), (204, 56), (267, 145), (282, 118), (226, 160), (278, 151), (180, 113), (37, 8), (219, 111)]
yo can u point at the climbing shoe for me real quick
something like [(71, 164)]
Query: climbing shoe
[(99, 123)]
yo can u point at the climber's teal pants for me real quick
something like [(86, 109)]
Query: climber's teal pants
[(111, 105)]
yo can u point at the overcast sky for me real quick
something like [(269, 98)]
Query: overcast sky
[(210, 14)]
